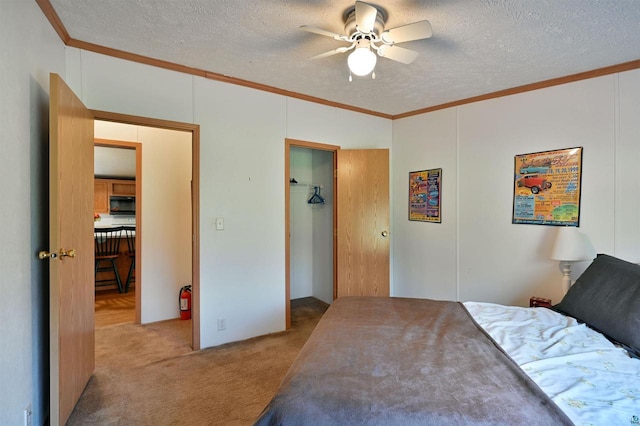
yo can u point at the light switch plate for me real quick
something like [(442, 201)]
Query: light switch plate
[(219, 224)]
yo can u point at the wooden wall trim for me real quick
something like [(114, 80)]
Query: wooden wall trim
[(287, 235), (133, 57), (57, 24), (290, 94), (55, 21), (312, 145), (613, 69), (116, 143), (195, 231), (213, 76), (144, 121)]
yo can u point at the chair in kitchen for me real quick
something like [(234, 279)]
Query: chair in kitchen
[(107, 250), (130, 234)]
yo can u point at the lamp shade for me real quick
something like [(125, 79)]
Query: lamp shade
[(572, 245), (362, 60)]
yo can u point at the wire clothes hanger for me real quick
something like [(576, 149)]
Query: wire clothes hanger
[(316, 198)]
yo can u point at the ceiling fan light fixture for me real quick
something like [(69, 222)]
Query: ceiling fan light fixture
[(364, 29), (362, 60)]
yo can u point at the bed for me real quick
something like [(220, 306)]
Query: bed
[(386, 361)]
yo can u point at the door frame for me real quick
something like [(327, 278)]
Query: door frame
[(194, 129), (137, 146), (288, 143)]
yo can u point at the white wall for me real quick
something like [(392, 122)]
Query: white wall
[(425, 261), (627, 158), (241, 176), (29, 50), (165, 264), (241, 180), (485, 257), (322, 227), (301, 224)]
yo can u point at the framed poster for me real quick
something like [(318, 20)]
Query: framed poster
[(424, 195), (547, 187)]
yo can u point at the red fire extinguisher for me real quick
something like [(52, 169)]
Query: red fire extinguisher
[(184, 300)]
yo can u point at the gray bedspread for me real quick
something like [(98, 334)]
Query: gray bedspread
[(394, 361)]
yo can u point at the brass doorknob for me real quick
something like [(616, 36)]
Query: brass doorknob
[(62, 254), (67, 253), (45, 254), (385, 233)]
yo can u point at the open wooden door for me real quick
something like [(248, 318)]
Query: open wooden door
[(363, 223), (72, 349)]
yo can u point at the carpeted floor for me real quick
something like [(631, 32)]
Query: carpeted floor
[(148, 375)]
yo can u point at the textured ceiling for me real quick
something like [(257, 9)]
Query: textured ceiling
[(478, 46)]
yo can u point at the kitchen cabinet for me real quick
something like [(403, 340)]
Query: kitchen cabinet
[(100, 196), (122, 187), (105, 188)]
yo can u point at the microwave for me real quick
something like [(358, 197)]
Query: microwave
[(122, 205)]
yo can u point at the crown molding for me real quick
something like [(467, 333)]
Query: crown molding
[(613, 69), (59, 27), (54, 19)]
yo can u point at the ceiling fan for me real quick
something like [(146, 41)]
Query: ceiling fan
[(364, 30)]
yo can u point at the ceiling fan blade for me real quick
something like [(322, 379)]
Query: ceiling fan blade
[(365, 16), (397, 53), (331, 52), (322, 32), (416, 31)]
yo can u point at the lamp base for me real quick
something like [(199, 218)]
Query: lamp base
[(565, 267)]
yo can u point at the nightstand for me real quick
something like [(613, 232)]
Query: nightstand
[(539, 302)]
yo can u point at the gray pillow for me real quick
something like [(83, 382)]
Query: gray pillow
[(607, 298)]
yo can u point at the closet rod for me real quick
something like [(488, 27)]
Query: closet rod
[(310, 185)]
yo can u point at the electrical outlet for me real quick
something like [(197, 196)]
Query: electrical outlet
[(27, 415), (222, 324)]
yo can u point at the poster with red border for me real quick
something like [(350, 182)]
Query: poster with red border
[(547, 187), (425, 195)]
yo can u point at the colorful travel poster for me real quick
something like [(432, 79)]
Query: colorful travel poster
[(546, 188), (424, 195)]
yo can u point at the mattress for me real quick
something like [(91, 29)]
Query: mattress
[(592, 380), (395, 361)]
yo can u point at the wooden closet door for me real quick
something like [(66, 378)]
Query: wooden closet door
[(363, 222)]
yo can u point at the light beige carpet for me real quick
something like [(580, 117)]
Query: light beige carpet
[(148, 375)]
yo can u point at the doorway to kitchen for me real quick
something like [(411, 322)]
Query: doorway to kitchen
[(167, 232), (117, 175)]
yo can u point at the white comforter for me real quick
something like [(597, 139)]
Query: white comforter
[(589, 378)]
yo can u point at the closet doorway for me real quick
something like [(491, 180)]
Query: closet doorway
[(310, 222), (359, 206)]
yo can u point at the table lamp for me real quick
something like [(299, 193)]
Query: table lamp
[(571, 245)]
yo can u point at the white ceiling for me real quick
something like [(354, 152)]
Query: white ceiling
[(478, 46)]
